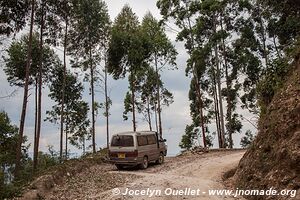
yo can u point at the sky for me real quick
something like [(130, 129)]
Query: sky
[(174, 118)]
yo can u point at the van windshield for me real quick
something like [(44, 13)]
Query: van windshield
[(122, 141)]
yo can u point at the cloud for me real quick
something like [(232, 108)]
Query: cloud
[(175, 117)]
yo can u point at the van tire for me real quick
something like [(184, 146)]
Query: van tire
[(145, 163), (161, 159), (120, 167)]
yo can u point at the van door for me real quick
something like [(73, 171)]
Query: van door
[(153, 148), (142, 146)]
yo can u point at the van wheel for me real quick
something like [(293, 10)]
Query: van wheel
[(144, 165), (120, 167), (161, 159)]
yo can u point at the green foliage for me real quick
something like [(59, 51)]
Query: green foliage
[(15, 61), (162, 51), (88, 32), (47, 160), (8, 142), (192, 134), (13, 16), (103, 106), (125, 45), (247, 140), (187, 140), (147, 90), (287, 23), (76, 110), (127, 105), (272, 82)]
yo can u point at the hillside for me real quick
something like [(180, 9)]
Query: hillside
[(273, 160)]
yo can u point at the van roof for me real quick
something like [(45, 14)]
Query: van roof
[(136, 133)]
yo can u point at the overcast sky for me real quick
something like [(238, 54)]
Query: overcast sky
[(174, 118)]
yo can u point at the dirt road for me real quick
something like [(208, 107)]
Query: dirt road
[(202, 172)]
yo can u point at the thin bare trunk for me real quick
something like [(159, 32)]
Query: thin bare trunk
[(36, 108), (93, 103), (133, 99), (198, 90), (40, 79), (276, 47), (217, 115), (158, 97), (133, 106), (63, 93), (66, 136), (106, 105), (149, 114), (155, 113), (228, 88), (25, 96), (83, 145), (219, 89), (263, 35)]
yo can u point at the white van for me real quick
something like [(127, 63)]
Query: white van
[(137, 148)]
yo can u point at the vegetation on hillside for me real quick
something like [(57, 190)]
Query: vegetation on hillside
[(239, 55)]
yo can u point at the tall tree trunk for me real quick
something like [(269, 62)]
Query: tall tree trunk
[(133, 107), (217, 115), (40, 79), (158, 97), (36, 108), (198, 89), (228, 93), (149, 114), (264, 37), (133, 100), (66, 136), (219, 89), (63, 93), (106, 105), (93, 103), (276, 47), (155, 113), (83, 145), (201, 114), (25, 96), (220, 99)]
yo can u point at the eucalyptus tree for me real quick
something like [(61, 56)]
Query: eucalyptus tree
[(16, 60), (46, 20), (147, 99), (25, 96), (13, 16), (261, 49), (90, 24), (162, 54), (63, 11), (183, 13), (127, 54), (282, 27), (224, 16), (76, 122)]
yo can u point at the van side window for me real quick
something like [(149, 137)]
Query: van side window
[(142, 140), (151, 139)]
